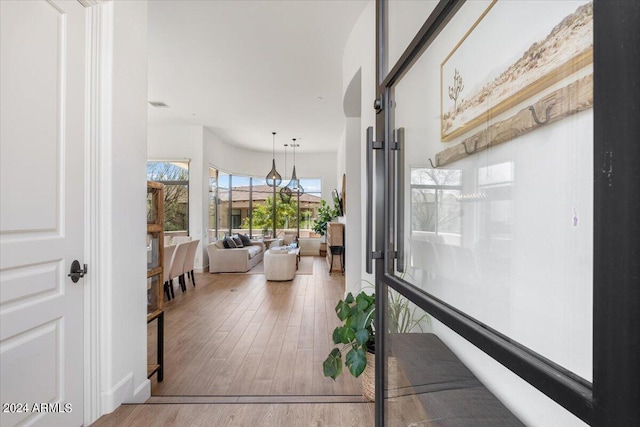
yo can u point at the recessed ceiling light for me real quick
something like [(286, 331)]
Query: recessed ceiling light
[(158, 104), (320, 98)]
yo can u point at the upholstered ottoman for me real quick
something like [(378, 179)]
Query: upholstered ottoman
[(279, 264)]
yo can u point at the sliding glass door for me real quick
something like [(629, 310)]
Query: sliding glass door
[(488, 170)]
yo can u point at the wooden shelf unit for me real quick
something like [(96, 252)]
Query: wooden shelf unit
[(155, 260)]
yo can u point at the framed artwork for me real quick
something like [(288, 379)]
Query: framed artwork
[(539, 43)]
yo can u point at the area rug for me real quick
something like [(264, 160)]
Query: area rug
[(305, 266)]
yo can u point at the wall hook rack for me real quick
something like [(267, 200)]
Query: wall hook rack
[(547, 114), (475, 147)]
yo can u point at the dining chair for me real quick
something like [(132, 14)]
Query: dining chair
[(166, 269), (189, 260), (177, 264), (180, 239)]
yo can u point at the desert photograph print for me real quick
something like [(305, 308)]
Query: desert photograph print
[(489, 71)]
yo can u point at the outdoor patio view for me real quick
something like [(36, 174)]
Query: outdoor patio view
[(237, 204), (243, 204), (175, 177)]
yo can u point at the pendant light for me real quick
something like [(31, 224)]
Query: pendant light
[(285, 192), (273, 177), (294, 184)]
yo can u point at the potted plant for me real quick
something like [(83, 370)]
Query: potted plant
[(401, 318), (355, 335), (325, 215)]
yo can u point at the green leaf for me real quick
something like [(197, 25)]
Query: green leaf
[(363, 301), (349, 298), (337, 339), (343, 310), (346, 334), (352, 322), (356, 361), (365, 319), (332, 366), (362, 336)]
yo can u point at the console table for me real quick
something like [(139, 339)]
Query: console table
[(335, 246)]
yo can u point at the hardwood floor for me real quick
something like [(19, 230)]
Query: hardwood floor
[(243, 351), (298, 415)]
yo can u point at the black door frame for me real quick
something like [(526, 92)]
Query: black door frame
[(612, 399)]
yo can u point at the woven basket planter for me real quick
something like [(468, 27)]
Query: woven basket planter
[(369, 378)]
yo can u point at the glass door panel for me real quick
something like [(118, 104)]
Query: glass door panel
[(504, 230), (426, 383), (405, 18), (490, 207)]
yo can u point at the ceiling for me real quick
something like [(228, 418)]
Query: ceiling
[(246, 68)]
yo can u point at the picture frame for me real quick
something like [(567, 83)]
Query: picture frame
[(540, 44), (343, 197)]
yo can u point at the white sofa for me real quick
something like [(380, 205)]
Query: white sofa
[(235, 260)]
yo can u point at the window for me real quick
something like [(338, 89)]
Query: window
[(175, 177), (213, 208), (224, 204), (243, 204), (435, 200), (309, 203)]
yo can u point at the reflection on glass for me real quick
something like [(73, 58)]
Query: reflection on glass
[(504, 234), (153, 251), (435, 207), (152, 212), (427, 385)]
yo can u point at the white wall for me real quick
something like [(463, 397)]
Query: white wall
[(355, 211), (123, 298), (240, 161), (171, 142), (358, 57)]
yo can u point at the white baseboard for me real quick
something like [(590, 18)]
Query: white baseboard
[(142, 393), (123, 392), (117, 395), (201, 269)]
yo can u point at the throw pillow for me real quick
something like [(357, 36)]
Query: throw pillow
[(246, 241), (230, 242), (225, 243), (237, 241)]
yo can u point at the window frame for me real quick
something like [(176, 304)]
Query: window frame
[(177, 183)]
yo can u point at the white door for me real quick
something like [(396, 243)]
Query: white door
[(42, 133)]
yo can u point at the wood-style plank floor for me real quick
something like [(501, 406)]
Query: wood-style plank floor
[(243, 351)]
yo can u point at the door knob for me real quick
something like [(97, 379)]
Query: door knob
[(76, 272)]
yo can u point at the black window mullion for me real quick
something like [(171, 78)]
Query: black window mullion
[(616, 275)]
